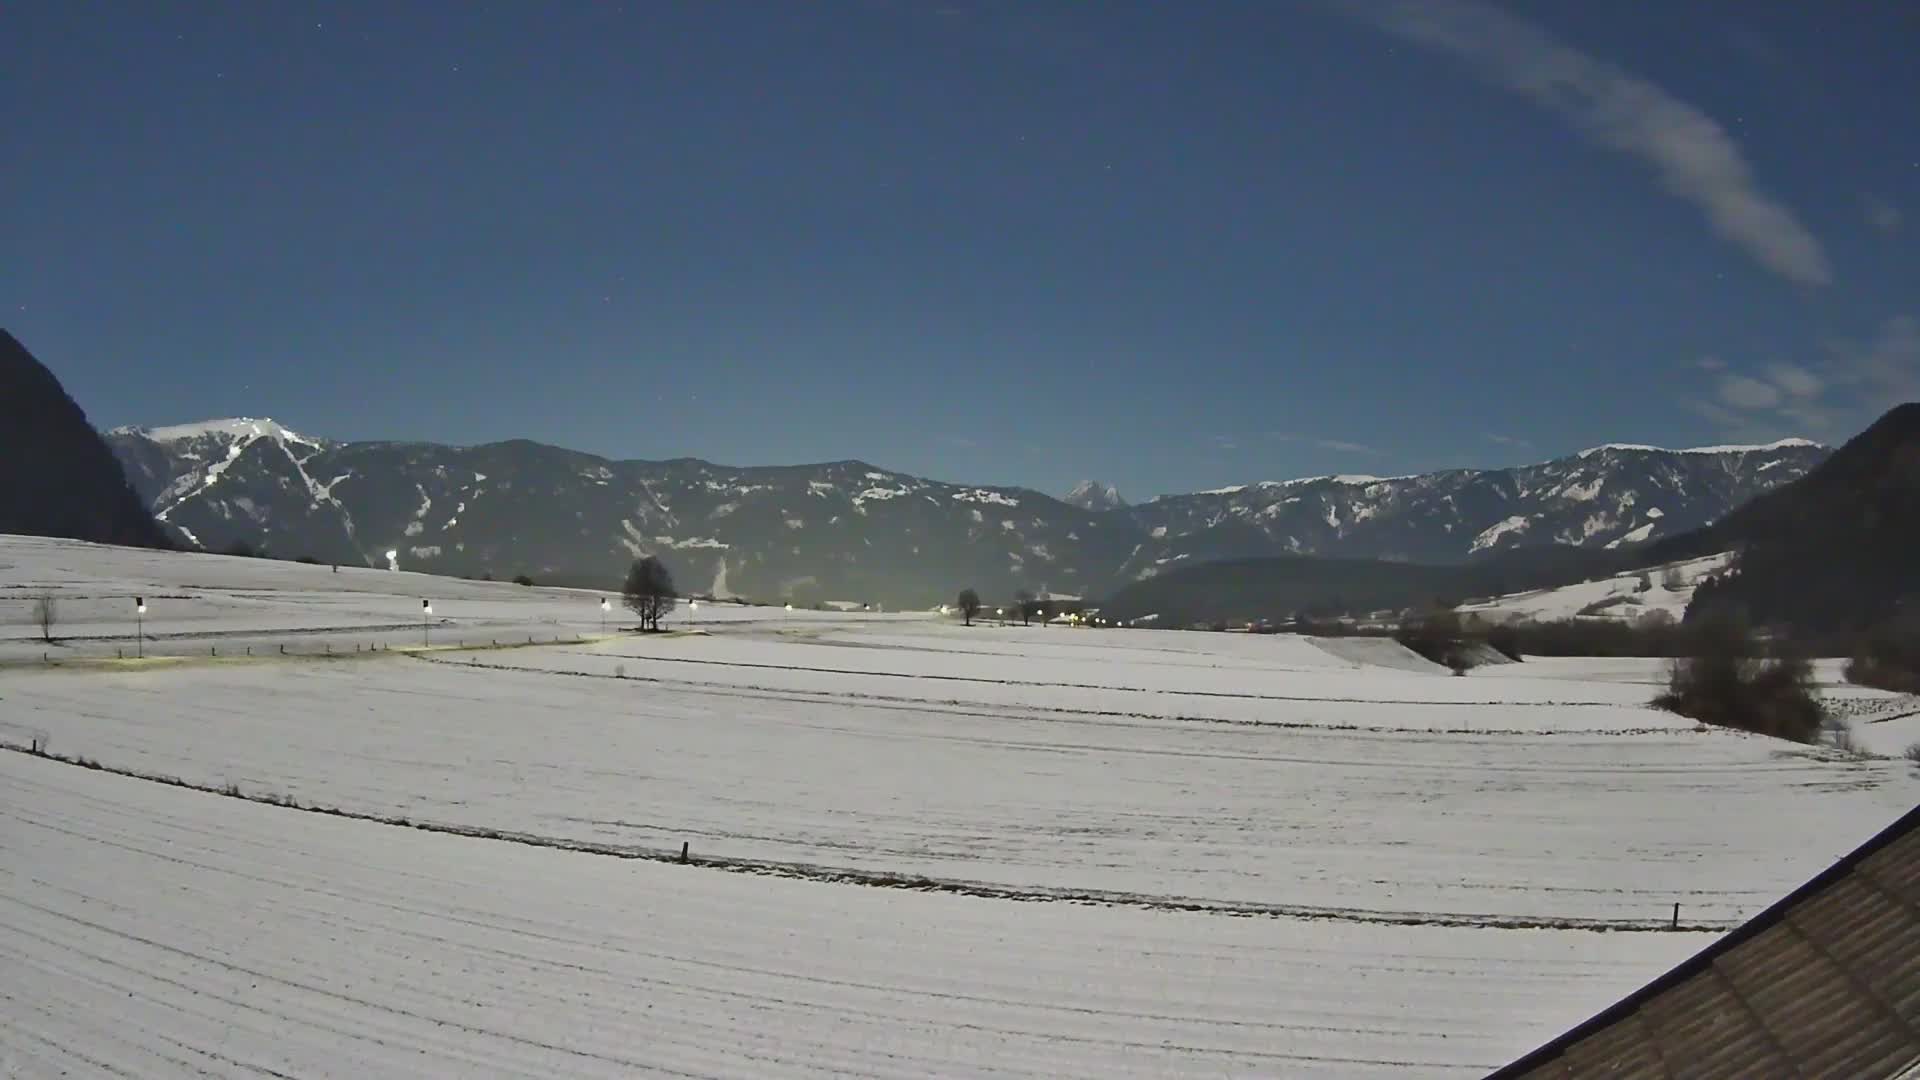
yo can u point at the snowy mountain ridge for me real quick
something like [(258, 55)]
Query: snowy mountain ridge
[(851, 529), (1779, 444)]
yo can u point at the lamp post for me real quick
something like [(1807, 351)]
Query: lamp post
[(603, 616), (426, 612), (140, 627)]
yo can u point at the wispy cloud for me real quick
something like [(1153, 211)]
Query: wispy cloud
[(1341, 446), (1507, 440), (1881, 214), (1710, 363), (1693, 156), (1795, 381), (1884, 370), (1338, 446), (1744, 392), (1851, 386)]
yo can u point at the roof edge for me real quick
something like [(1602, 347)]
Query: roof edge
[(1704, 959)]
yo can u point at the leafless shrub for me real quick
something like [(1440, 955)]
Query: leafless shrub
[(46, 613)]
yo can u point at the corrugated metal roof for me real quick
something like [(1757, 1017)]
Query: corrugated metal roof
[(1825, 983)]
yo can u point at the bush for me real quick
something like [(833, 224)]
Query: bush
[(1649, 636), (1888, 660), (1505, 640), (522, 579), (1839, 735), (1726, 683), (1913, 753), (46, 612)]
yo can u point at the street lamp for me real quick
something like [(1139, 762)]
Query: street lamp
[(426, 612), (603, 616), (140, 626)]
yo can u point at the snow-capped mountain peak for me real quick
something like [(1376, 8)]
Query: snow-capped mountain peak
[(1094, 495), (234, 428)]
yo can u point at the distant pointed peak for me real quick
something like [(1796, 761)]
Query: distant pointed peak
[(1094, 495)]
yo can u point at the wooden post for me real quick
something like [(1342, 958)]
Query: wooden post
[(283, 650), (683, 851), (1676, 915)]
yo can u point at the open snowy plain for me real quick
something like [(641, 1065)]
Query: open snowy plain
[(917, 848)]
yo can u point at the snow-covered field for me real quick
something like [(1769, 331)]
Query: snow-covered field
[(1430, 860), (200, 603), (1628, 597)]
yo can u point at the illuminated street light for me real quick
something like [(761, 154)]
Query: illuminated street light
[(140, 626)]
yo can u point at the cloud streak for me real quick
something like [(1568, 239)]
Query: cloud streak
[(1855, 383), (1691, 154), (1882, 215)]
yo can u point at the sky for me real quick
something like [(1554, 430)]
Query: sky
[(1168, 246)]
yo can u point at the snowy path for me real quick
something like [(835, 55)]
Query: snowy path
[(153, 931)]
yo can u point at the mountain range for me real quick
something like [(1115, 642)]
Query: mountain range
[(851, 530), (1820, 561)]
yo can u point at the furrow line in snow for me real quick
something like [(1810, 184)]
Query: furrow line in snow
[(1047, 686), (920, 882), (961, 707)]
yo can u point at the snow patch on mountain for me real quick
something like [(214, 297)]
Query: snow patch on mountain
[(982, 495), (1491, 536), (1632, 596)]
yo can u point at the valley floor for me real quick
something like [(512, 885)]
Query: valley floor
[(1112, 852)]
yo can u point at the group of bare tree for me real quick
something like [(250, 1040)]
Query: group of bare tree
[(649, 592), (1024, 605)]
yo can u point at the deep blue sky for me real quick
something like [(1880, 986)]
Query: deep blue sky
[(1169, 245)]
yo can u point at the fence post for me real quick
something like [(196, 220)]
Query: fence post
[(283, 650), (683, 851), (1676, 915)]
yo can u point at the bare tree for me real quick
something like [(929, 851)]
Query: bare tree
[(969, 604), (1026, 605), (46, 612), (649, 591)]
